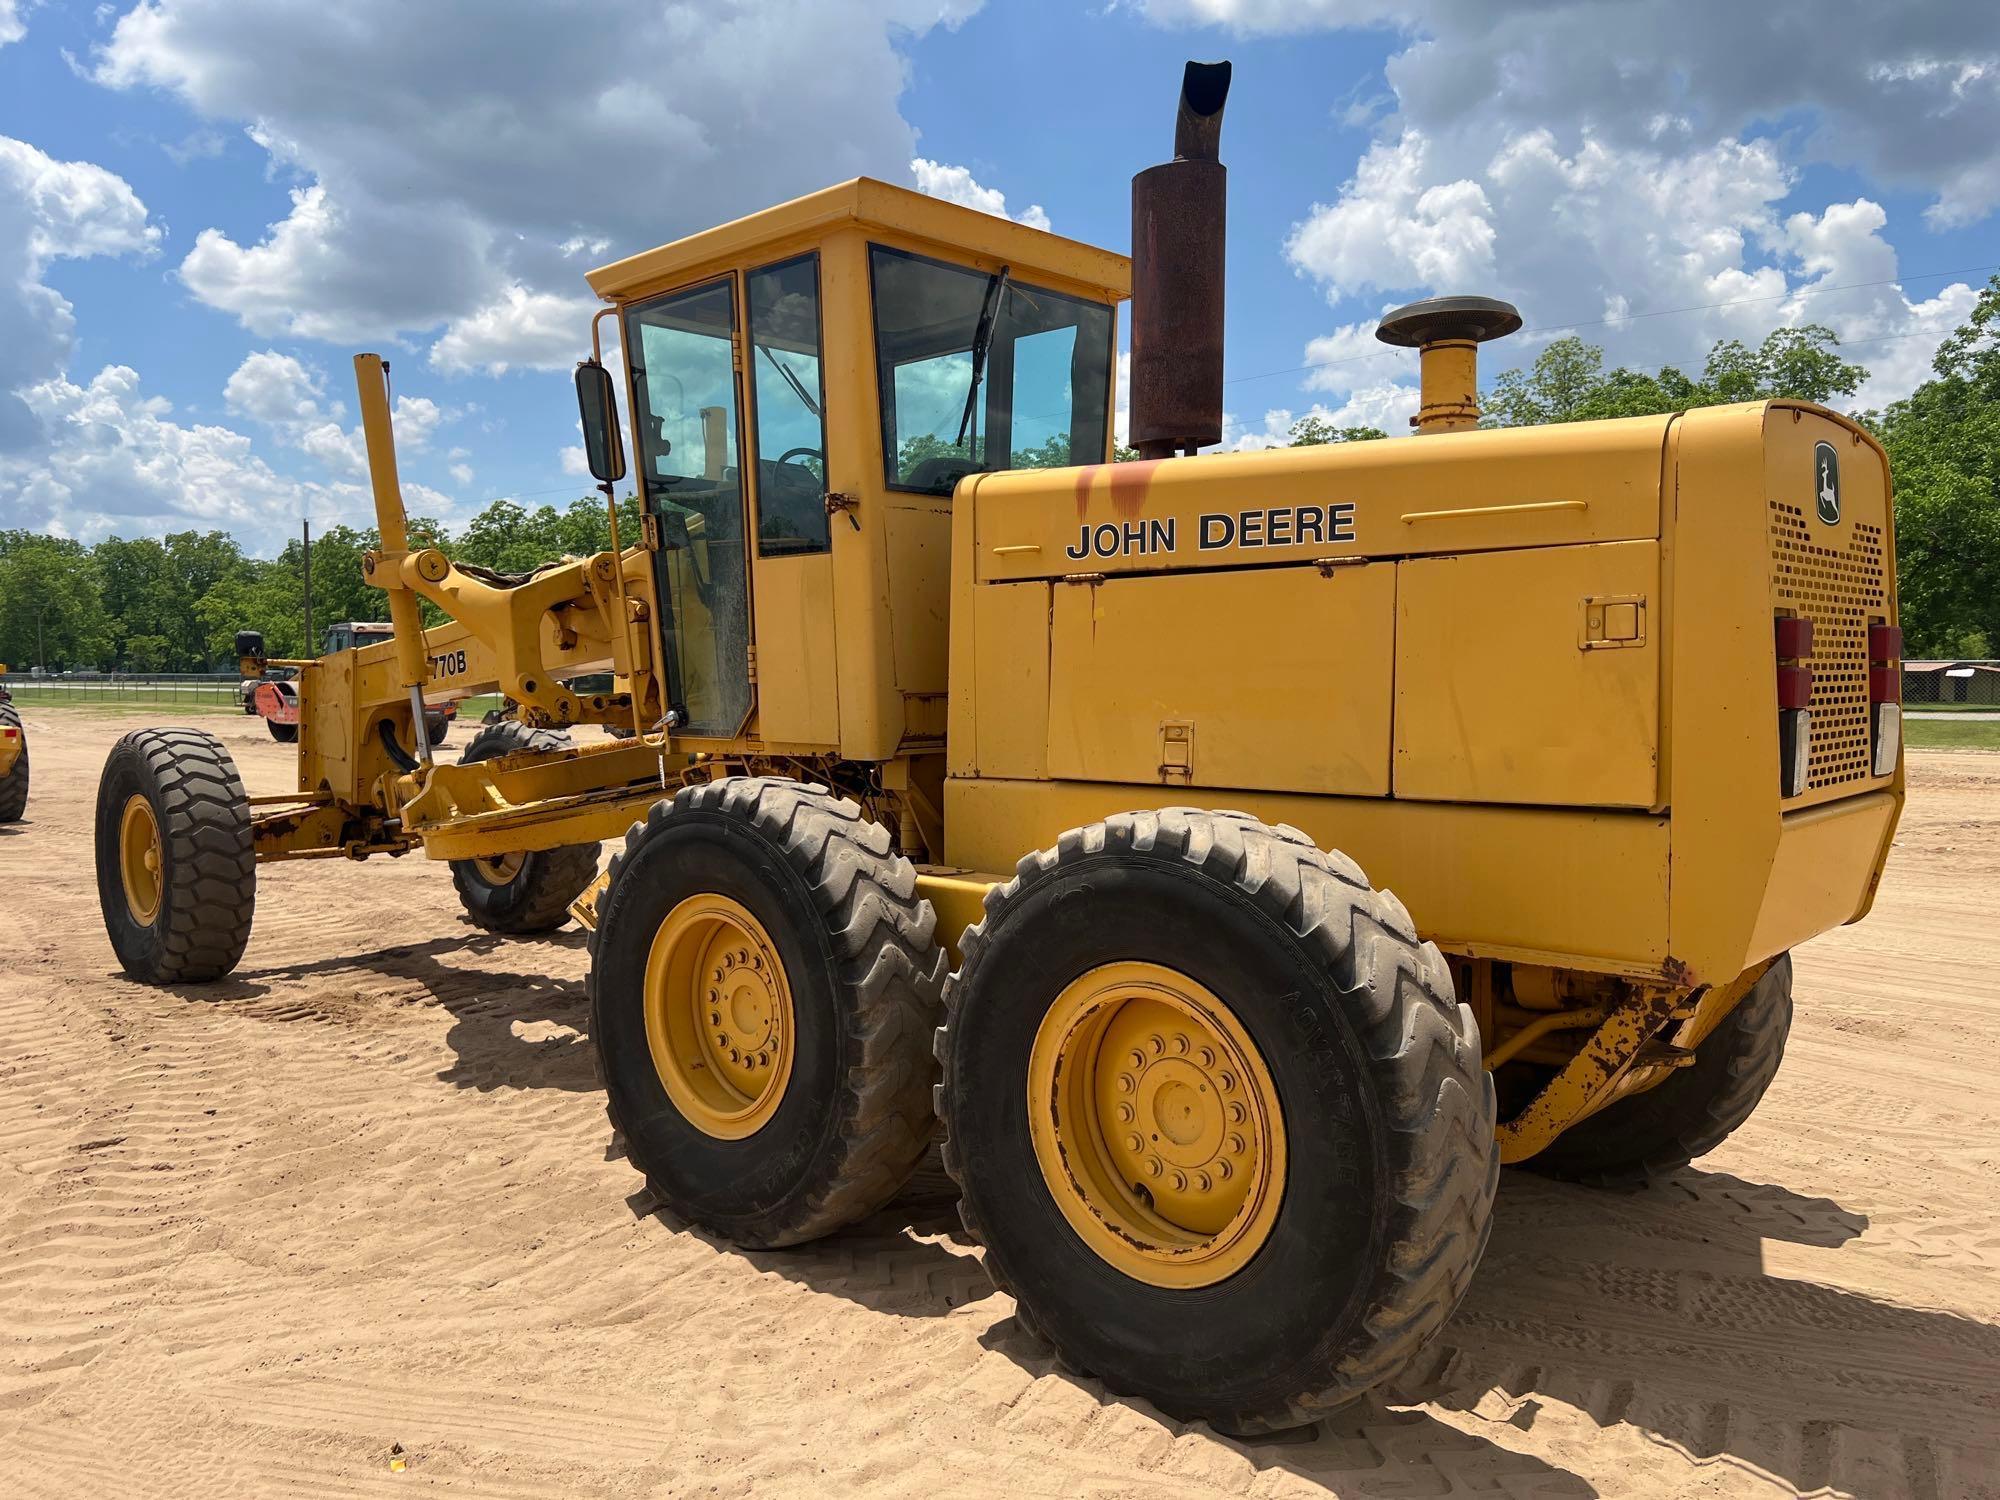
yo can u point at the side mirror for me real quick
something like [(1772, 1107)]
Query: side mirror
[(597, 405)]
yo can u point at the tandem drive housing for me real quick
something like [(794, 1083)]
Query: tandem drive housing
[(1284, 526)]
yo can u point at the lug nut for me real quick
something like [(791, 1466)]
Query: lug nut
[(1180, 1044), (1238, 1114), (1235, 1146), (1207, 1055), (1203, 1182), (1126, 1083), (1135, 1142), (1136, 1058), (1154, 1166), (1126, 1114), (1158, 1043), (1228, 1082), (1225, 1169), (1180, 1182)]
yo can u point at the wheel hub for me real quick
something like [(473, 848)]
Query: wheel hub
[(500, 869), (139, 859), (1156, 1124), (718, 1016)]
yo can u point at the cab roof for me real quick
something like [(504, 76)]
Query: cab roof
[(873, 205)]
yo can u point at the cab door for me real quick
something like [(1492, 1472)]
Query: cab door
[(682, 351), (798, 699)]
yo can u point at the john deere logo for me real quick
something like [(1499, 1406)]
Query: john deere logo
[(1826, 471)]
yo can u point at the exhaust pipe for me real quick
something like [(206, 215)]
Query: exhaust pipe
[(1178, 217), (1446, 332)]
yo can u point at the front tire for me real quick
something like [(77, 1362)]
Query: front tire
[(176, 867), (284, 734), (14, 785), (1652, 1135), (764, 980), (1331, 1062), (528, 891)]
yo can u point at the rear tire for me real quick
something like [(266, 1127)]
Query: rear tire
[(857, 952), (14, 785), (438, 729), (284, 734), (1389, 1162), (183, 915), (1652, 1135), (530, 891)]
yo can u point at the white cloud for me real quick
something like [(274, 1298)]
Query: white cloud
[(432, 194), (119, 462), (1390, 228), (574, 460), (1612, 159), (532, 330), (462, 473), (276, 389), (51, 210), (12, 28), (288, 396), (1606, 235), (957, 185), (1908, 93)]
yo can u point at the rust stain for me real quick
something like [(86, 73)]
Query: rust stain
[(1129, 483), (1085, 476)]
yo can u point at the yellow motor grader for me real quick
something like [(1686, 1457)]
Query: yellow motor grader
[(976, 780), (13, 759)]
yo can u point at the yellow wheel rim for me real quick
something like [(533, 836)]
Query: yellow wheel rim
[(139, 859), (501, 869), (719, 1017), (1156, 1125)]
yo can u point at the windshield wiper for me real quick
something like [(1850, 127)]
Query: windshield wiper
[(792, 380), (982, 340)]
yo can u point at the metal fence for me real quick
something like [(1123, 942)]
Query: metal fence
[(1949, 684), (138, 690)]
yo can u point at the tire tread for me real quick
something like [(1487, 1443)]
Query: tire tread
[(1437, 1100), (885, 943)]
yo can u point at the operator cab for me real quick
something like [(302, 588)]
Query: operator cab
[(806, 387)]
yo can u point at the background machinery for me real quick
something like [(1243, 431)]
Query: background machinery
[(13, 759), (977, 779), (271, 691)]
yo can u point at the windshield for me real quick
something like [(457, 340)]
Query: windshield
[(1037, 397)]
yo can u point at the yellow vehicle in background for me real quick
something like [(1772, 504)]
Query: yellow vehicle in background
[(13, 759), (978, 780)]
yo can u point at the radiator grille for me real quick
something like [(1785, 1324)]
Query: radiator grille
[(1841, 590)]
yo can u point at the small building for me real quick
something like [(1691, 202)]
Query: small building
[(1951, 682)]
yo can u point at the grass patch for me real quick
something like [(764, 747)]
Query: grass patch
[(1951, 708), (1944, 734), (134, 702)]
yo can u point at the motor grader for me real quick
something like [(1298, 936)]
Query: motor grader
[(13, 758), (979, 781)]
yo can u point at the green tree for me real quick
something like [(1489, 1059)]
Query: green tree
[(51, 605), (1944, 452), (1568, 381), (1314, 432)]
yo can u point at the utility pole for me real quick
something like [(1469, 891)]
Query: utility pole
[(306, 534)]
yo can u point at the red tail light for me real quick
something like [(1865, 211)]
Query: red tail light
[(1793, 636), (1885, 697)]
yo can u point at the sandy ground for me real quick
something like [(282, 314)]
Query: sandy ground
[(254, 1234)]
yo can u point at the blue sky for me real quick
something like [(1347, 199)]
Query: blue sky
[(206, 206)]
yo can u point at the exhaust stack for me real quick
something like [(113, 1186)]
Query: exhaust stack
[(1178, 216), (1447, 333)]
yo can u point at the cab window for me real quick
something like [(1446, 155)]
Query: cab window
[(789, 402), (1032, 394)]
